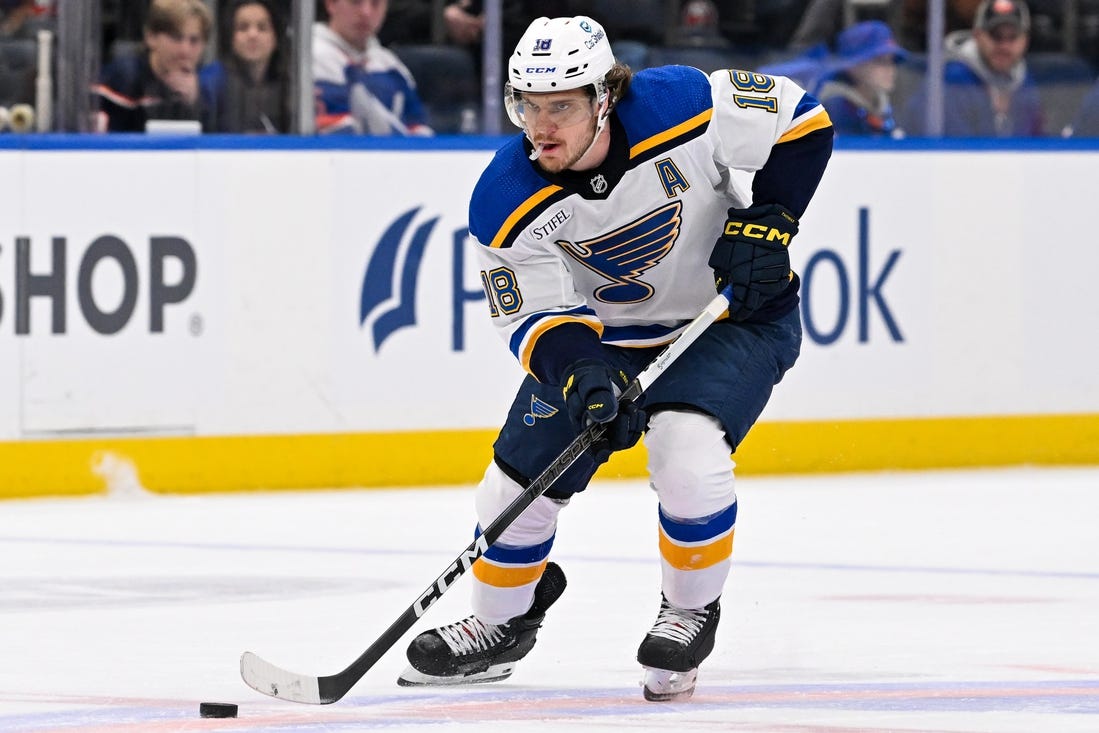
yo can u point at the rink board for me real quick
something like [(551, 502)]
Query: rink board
[(222, 318), (225, 463)]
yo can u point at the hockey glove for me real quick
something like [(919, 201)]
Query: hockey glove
[(752, 255), (591, 396)]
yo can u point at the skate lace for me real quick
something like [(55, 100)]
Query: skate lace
[(681, 625), (471, 635)]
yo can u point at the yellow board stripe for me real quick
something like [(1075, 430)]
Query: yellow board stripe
[(919, 443), (818, 121), (696, 557), (519, 213), (195, 465), (507, 576), (682, 128)]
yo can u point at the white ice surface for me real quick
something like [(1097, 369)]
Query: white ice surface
[(938, 601)]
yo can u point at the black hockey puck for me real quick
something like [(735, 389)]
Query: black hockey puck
[(217, 710)]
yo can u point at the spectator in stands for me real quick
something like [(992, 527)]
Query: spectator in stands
[(987, 90), (857, 87), (361, 86), (699, 25), (161, 81), (17, 16), (247, 90)]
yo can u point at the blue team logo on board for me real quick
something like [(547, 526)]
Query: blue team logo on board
[(623, 255), (538, 408), (388, 296)]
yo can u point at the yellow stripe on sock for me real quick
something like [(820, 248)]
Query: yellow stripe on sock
[(506, 576), (696, 557)]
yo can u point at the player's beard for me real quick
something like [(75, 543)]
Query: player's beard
[(573, 152)]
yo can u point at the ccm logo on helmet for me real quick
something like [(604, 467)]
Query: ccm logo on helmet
[(540, 70), (756, 231)]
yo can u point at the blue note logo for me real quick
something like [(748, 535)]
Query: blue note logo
[(538, 408), (624, 255), (388, 297)]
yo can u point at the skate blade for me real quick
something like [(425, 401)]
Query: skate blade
[(412, 677), (664, 685)]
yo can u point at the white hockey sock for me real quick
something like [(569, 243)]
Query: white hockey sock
[(505, 578), (691, 469)]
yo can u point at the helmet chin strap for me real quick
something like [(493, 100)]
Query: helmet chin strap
[(601, 122)]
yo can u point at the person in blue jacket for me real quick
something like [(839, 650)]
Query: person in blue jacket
[(856, 89)]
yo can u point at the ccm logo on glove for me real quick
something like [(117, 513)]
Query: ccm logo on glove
[(758, 231), (591, 395), (751, 255)]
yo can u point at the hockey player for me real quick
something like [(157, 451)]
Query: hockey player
[(597, 232)]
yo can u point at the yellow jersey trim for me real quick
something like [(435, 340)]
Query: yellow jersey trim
[(670, 134), (524, 208), (819, 121)]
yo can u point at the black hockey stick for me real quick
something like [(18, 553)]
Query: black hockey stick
[(265, 677)]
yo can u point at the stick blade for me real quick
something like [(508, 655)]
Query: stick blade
[(262, 676)]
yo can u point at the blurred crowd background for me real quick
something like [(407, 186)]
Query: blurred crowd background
[(884, 68)]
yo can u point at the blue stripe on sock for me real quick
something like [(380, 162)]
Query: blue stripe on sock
[(701, 529), (518, 555)]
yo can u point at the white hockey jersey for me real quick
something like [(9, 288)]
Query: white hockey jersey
[(623, 249)]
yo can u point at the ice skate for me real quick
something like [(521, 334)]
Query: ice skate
[(471, 651), (671, 652)]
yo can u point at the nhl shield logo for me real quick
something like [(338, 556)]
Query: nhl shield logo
[(599, 184)]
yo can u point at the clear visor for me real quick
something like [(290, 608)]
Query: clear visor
[(548, 110)]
